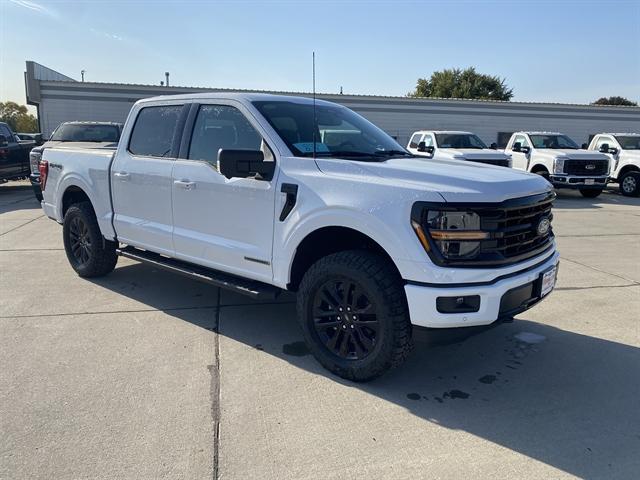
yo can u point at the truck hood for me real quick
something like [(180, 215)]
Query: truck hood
[(454, 180), (571, 154), (475, 154)]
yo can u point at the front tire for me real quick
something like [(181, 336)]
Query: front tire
[(89, 254), (354, 315), (630, 184), (590, 192)]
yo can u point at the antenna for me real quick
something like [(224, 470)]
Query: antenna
[(315, 120)]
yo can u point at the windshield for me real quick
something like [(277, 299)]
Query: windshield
[(339, 131), (459, 140), (629, 142), (74, 132), (553, 142)]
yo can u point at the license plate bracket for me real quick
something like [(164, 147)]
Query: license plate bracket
[(547, 281)]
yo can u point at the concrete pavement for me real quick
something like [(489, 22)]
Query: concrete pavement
[(146, 375)]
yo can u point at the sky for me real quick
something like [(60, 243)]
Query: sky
[(548, 51)]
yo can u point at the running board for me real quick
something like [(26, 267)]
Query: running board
[(251, 288)]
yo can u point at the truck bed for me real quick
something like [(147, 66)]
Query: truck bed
[(87, 169)]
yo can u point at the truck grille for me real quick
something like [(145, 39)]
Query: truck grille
[(586, 167), (501, 163), (514, 230)]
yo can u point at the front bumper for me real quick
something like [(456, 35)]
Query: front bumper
[(569, 181), (502, 298)]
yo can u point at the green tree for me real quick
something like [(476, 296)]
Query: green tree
[(467, 83), (615, 101), (18, 117)]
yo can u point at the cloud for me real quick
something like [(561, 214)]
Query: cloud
[(36, 7)]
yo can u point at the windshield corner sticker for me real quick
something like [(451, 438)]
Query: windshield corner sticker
[(307, 147)]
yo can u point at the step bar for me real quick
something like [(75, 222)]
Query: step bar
[(252, 288)]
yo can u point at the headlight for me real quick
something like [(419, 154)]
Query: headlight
[(558, 165), (455, 234)]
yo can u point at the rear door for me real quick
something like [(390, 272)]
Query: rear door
[(141, 180), (226, 224)]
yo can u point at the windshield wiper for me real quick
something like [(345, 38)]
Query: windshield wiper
[(391, 153)]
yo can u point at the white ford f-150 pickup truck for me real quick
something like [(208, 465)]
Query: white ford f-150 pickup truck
[(623, 150), (238, 190), (559, 159), (450, 145)]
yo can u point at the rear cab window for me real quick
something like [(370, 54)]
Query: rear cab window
[(154, 131)]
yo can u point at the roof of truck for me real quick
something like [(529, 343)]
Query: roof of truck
[(540, 133), (451, 132), (241, 96), (627, 134)]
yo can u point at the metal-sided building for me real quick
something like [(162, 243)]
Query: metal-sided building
[(59, 98)]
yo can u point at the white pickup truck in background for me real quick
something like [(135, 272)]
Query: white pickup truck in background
[(560, 160), (236, 190), (623, 149), (453, 145)]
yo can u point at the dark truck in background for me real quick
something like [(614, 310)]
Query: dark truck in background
[(74, 135), (14, 155)]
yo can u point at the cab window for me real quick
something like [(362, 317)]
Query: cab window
[(222, 127), (415, 140), (153, 132), (522, 139)]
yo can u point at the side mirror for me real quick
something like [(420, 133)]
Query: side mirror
[(584, 146), (525, 150), (430, 149), (613, 151), (493, 146), (422, 147), (517, 147), (604, 148), (244, 164)]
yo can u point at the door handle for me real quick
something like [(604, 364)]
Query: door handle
[(186, 184), (121, 175)]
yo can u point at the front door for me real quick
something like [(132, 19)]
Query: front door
[(141, 179), (226, 224), (520, 159)]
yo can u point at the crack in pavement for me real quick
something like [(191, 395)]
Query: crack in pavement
[(597, 286), (601, 271), (142, 310), (600, 235), (20, 226), (31, 249), (215, 392)]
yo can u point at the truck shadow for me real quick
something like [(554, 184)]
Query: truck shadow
[(565, 399)]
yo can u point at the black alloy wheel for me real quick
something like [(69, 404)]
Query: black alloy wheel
[(345, 318)]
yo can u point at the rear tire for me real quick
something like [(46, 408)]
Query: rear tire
[(354, 315), (630, 184), (590, 192), (89, 254)]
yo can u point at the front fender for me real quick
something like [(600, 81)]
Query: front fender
[(395, 236)]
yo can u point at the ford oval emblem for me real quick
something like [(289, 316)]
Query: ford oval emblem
[(590, 167), (543, 226)]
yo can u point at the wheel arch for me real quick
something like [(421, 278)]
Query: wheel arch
[(539, 167), (327, 240), (628, 168)]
